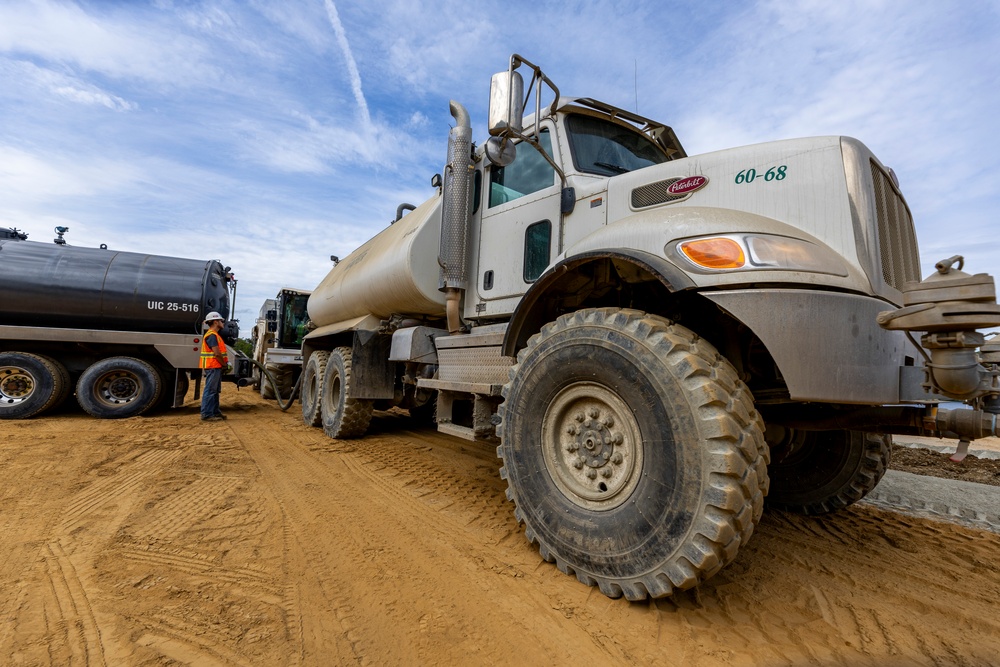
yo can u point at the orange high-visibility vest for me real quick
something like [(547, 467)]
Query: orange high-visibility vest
[(208, 359)]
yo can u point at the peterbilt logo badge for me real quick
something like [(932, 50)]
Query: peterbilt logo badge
[(687, 185)]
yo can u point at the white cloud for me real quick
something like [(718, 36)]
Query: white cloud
[(112, 45)]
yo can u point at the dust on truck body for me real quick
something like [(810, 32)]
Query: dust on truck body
[(121, 330), (658, 341)]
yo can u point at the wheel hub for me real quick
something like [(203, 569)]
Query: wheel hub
[(15, 385), (119, 388), (593, 448)]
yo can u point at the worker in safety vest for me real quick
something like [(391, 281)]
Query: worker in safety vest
[(213, 362)]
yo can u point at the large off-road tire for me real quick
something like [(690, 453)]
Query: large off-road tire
[(266, 388), (825, 471), (632, 451), (283, 376), (311, 391), (343, 417), (118, 387), (29, 384)]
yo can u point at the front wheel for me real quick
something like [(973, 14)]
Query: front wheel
[(633, 452), (118, 387), (817, 472)]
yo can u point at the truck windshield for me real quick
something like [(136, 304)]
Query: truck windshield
[(602, 147), (296, 317)]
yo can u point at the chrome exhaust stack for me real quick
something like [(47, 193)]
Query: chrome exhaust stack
[(453, 251)]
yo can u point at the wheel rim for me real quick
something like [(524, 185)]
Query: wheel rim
[(118, 388), (593, 448), (16, 386)]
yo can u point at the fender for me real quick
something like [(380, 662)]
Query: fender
[(531, 313)]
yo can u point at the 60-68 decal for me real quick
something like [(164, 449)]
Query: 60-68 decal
[(776, 173)]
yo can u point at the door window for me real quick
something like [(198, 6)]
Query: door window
[(529, 172)]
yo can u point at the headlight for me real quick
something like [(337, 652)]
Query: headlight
[(755, 252)]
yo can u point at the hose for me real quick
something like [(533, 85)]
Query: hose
[(274, 385)]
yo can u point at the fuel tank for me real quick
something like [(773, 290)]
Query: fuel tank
[(394, 272), (50, 285)]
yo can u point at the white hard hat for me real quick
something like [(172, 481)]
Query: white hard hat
[(214, 316)]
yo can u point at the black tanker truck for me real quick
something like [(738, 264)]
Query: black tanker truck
[(122, 330)]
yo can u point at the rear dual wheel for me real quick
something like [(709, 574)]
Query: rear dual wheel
[(343, 416), (311, 393), (30, 384), (632, 451), (118, 387)]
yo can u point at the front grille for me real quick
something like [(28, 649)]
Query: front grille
[(655, 193), (897, 241)]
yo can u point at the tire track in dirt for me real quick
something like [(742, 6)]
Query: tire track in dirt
[(403, 560), (264, 542), (71, 551), (74, 613)]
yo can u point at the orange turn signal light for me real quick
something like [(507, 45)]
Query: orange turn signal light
[(717, 253)]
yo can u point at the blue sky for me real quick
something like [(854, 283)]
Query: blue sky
[(272, 135)]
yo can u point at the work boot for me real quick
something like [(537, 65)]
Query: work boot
[(222, 416), (213, 418)]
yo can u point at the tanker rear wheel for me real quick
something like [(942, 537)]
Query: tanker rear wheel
[(311, 392), (29, 384), (343, 417), (64, 382), (118, 387)]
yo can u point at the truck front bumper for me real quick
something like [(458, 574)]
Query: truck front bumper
[(827, 345)]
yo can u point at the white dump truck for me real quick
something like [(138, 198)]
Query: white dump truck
[(658, 341)]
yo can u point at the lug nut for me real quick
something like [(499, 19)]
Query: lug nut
[(606, 472), (572, 447), (572, 429), (579, 416), (608, 421), (594, 412), (592, 474), (617, 458), (619, 438), (578, 464)]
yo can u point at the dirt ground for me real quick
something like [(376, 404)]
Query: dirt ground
[(258, 541), (935, 464)]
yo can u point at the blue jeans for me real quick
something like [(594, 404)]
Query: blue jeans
[(210, 395)]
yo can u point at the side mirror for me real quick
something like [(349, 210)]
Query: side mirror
[(506, 102), (271, 316), (500, 151)]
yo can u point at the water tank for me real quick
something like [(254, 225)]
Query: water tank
[(394, 272), (51, 285)]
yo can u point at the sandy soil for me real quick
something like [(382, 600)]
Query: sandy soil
[(258, 541)]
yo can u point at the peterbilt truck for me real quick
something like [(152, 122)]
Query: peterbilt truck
[(121, 330), (657, 341)]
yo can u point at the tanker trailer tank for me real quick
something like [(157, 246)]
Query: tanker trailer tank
[(121, 330), (388, 275), (50, 285)]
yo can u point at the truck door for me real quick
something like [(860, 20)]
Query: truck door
[(520, 224)]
